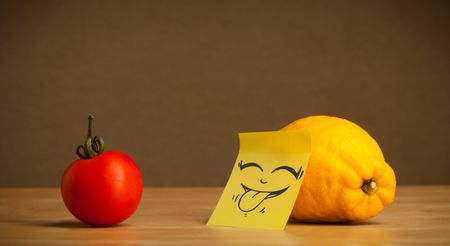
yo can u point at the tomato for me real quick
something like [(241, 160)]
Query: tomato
[(102, 190)]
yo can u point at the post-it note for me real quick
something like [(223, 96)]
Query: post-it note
[(265, 180)]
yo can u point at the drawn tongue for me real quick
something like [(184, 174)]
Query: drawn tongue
[(251, 199)]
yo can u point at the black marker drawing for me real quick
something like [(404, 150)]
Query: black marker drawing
[(252, 198)]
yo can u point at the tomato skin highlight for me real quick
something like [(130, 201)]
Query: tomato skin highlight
[(104, 190)]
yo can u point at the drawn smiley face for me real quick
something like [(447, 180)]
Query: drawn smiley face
[(256, 194)]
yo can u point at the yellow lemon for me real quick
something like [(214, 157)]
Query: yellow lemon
[(347, 177)]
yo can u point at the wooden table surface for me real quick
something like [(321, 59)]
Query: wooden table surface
[(420, 215)]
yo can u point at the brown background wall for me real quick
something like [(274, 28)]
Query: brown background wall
[(172, 82)]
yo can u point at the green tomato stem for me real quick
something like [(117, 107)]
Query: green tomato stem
[(93, 146), (90, 125)]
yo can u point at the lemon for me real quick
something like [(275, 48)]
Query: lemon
[(347, 177)]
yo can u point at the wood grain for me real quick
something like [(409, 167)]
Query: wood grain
[(177, 216)]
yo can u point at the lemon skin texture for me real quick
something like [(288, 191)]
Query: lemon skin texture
[(347, 177)]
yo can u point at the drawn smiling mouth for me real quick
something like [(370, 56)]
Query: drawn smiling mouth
[(252, 198)]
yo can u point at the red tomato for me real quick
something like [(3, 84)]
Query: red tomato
[(104, 190)]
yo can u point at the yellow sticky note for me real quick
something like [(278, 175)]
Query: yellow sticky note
[(265, 180)]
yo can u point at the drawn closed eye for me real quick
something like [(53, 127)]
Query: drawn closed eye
[(291, 170), (250, 164)]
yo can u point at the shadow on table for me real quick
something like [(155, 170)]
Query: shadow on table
[(66, 224), (293, 221), (62, 224)]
